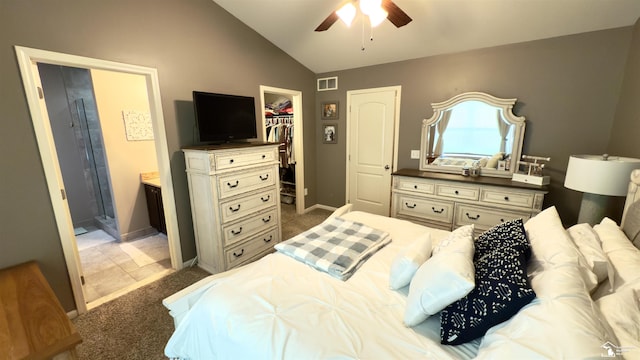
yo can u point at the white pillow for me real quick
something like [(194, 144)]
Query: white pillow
[(622, 311), (446, 277), (408, 261), (552, 247), (339, 212), (588, 242), (567, 326), (624, 257), (563, 321)]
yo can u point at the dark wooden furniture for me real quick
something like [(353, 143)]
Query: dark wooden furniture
[(155, 208)]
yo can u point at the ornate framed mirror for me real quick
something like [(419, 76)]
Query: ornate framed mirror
[(472, 129)]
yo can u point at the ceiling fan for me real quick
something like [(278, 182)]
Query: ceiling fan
[(390, 11)]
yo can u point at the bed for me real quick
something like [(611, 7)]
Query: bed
[(526, 290)]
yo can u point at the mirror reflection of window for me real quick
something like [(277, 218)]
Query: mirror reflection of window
[(475, 128)]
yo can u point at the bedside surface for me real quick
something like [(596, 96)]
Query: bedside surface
[(33, 324)]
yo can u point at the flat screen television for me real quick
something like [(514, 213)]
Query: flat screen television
[(224, 118)]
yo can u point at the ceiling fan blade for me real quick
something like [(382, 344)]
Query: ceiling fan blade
[(396, 15), (326, 24)]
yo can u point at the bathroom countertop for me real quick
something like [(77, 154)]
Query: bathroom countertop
[(150, 178), (153, 182)]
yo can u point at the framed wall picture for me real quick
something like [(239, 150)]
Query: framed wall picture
[(329, 110), (330, 134)]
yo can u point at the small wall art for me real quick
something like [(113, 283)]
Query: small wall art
[(330, 134), (137, 125), (329, 110)]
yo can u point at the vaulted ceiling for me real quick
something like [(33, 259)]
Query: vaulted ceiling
[(438, 27)]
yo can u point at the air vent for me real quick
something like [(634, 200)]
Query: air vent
[(329, 83)]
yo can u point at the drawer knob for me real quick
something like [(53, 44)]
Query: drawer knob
[(231, 186), (267, 219), (265, 200), (472, 217), (456, 192), (238, 254), (266, 176), (501, 220), (230, 161), (264, 156), (269, 239), (236, 232), (506, 198), (415, 187), (234, 210), (437, 211), (410, 206)]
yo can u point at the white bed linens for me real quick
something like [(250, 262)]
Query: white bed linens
[(279, 308)]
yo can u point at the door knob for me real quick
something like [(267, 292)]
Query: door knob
[(386, 167)]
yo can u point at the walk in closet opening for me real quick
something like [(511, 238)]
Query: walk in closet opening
[(282, 123)]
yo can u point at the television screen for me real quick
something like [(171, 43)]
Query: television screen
[(224, 118)]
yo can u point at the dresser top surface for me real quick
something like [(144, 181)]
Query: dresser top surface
[(480, 180), (225, 146)]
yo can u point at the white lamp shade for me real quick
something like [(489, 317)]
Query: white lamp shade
[(347, 13), (369, 7), (595, 175), (377, 17)]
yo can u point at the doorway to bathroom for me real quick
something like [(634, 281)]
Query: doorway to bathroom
[(125, 223), (116, 244)]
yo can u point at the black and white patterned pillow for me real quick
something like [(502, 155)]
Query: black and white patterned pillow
[(507, 234), (502, 289)]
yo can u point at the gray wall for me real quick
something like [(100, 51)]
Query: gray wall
[(194, 44), (626, 128), (567, 88)]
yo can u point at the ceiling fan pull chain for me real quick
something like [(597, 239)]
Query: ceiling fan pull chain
[(362, 38), (371, 35)]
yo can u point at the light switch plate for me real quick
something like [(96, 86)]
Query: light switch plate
[(415, 154)]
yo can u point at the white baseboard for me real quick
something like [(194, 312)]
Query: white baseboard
[(320, 206)]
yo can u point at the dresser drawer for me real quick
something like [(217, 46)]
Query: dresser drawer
[(253, 157), (239, 183), (458, 192), (426, 208), (233, 233), (237, 208), (414, 185), (502, 197), (246, 251), (485, 218)]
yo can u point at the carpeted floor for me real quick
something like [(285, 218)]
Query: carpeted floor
[(137, 325), (133, 326)]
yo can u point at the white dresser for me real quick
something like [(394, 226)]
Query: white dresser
[(448, 201), (235, 202)]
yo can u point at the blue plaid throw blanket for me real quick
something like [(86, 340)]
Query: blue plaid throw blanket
[(337, 246)]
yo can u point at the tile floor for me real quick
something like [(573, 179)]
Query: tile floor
[(110, 265)]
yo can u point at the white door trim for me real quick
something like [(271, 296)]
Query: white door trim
[(28, 56), (396, 128), (298, 140)]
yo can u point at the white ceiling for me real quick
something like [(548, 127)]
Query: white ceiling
[(438, 27)]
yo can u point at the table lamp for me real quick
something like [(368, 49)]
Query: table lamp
[(598, 177)]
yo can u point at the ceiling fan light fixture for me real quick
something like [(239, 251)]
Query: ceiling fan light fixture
[(369, 7), (377, 17), (347, 13)]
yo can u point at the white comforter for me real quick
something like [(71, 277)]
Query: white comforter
[(279, 308)]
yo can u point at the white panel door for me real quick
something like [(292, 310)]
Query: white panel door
[(371, 125)]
